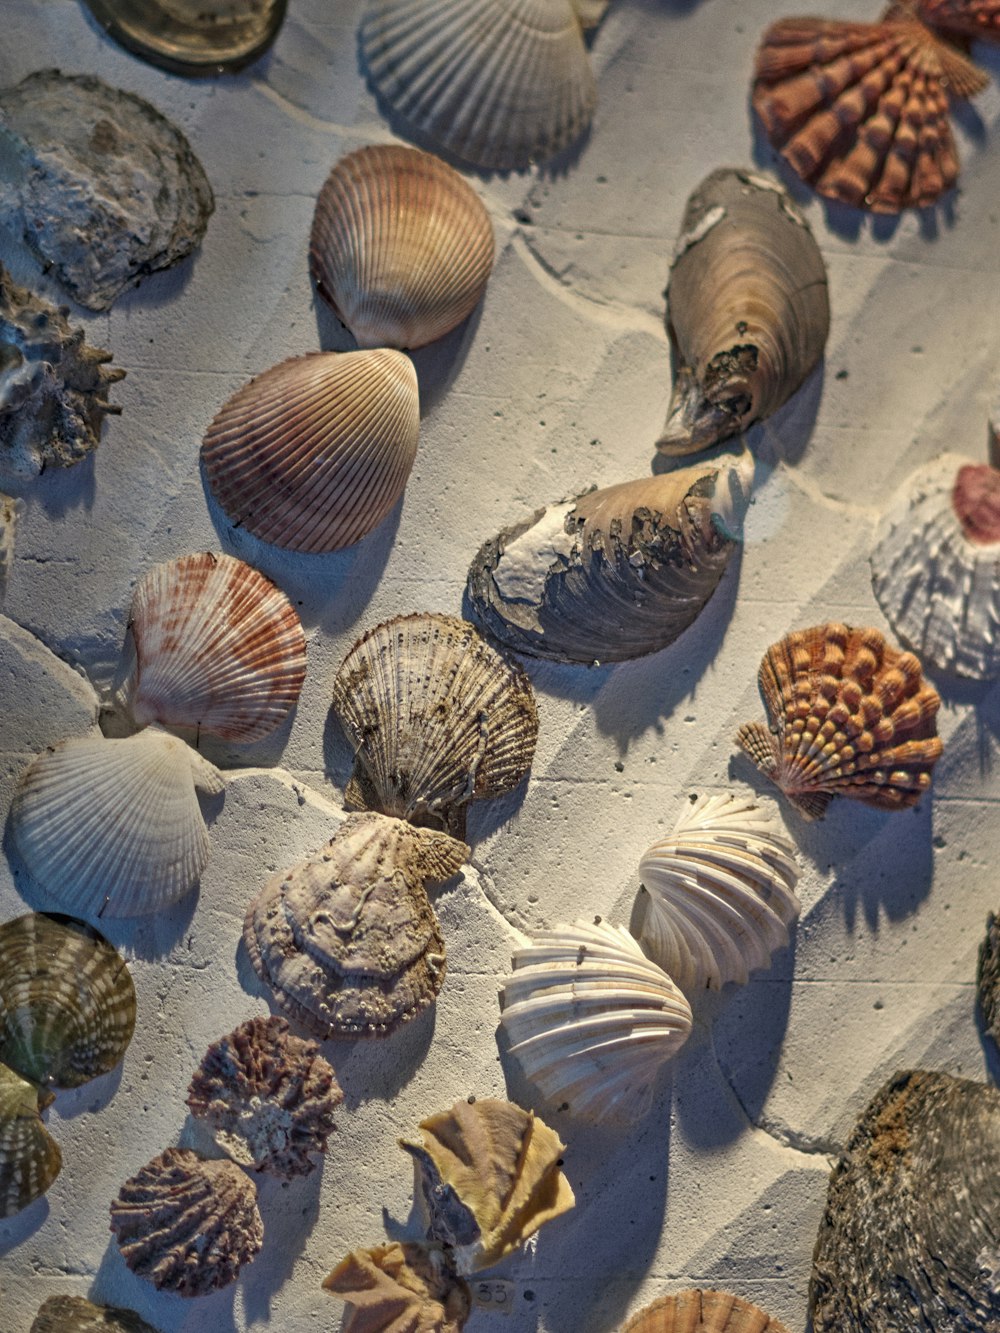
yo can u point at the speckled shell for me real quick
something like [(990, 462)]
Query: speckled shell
[(216, 646), (936, 567), (186, 1224), (315, 452), (591, 1019), (615, 573), (489, 1177), (190, 37), (269, 1097), (988, 978), (747, 309), (702, 1311), (113, 827), (406, 1287), (860, 110), (29, 1156), (963, 18), (67, 1002), (73, 1314), (9, 512), (849, 715), (912, 1218), (347, 939), (401, 246), (500, 83), (437, 717), (721, 894)]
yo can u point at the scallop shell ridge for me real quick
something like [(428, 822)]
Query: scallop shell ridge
[(702, 1311), (29, 1156)]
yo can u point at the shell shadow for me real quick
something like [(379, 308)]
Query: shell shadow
[(115, 1283), (290, 1210), (56, 491), (378, 1069), (14, 1231), (991, 1052), (91, 1097)]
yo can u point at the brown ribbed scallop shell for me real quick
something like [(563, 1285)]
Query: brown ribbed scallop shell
[(963, 18), (315, 452), (29, 1156), (74, 1314), (698, 1311), (401, 246)]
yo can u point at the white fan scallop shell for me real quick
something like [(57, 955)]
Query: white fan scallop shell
[(591, 1019), (721, 894), (113, 827)]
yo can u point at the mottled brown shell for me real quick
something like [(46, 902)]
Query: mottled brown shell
[(408, 1287), (702, 1311), (963, 18), (74, 1314), (190, 36), (29, 1156)]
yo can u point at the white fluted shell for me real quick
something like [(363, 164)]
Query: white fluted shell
[(591, 1019), (113, 827), (315, 452), (721, 894), (500, 83)]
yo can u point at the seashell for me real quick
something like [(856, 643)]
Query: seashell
[(910, 1228), (29, 1156), (187, 1224), (400, 1287), (489, 1177), (988, 978), (67, 1002), (9, 512), (702, 1311), (102, 188), (113, 827), (438, 719), (269, 1097), (963, 18), (936, 567), (615, 573), (500, 83), (73, 1314), (849, 715), (347, 939), (401, 246), (314, 453), (860, 110), (721, 894), (216, 646), (192, 36), (748, 311), (591, 1019)]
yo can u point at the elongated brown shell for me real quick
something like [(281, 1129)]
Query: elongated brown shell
[(407, 1287), (401, 246), (315, 452), (29, 1156), (849, 715), (189, 36), (74, 1314), (702, 1311), (963, 18)]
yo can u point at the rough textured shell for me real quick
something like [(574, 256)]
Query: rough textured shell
[(188, 36), (849, 715), (401, 246), (269, 1097), (316, 452), (216, 646), (113, 827), (616, 573), (963, 18), (437, 718), (747, 309), (500, 83), (9, 511), (912, 1215), (347, 939), (489, 1177), (936, 567), (73, 1314), (988, 978), (406, 1287), (100, 185), (721, 894), (29, 1156), (860, 110), (698, 1311), (186, 1224), (67, 1002)]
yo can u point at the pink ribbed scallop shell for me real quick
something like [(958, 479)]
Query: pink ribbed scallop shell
[(965, 18)]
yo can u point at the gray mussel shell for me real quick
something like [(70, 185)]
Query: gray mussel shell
[(29, 1156), (192, 36), (911, 1230), (988, 978), (747, 309), (74, 1314)]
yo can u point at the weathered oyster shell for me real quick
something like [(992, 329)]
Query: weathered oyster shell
[(400, 1288), (73, 1314), (101, 186), (187, 1224), (437, 717), (67, 1002), (113, 827), (489, 1177), (591, 1019), (988, 978), (911, 1229), (747, 309), (192, 36), (501, 83), (29, 1156), (9, 511), (936, 567), (721, 894), (615, 573), (347, 939), (849, 715), (269, 1097), (401, 246), (315, 452), (963, 18), (53, 385), (702, 1311)]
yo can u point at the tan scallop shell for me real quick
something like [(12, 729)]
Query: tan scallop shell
[(407, 1287), (315, 452), (401, 246), (963, 18), (849, 715), (500, 83), (702, 1311), (29, 1156)]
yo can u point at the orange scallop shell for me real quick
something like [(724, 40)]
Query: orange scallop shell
[(698, 1311), (964, 18)]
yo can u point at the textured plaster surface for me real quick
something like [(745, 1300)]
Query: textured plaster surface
[(559, 381)]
